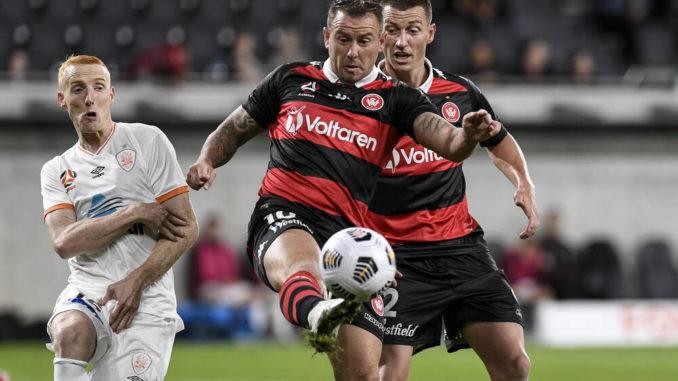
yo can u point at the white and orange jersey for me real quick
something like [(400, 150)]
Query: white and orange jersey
[(136, 164)]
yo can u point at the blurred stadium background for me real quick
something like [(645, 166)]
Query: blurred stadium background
[(589, 89)]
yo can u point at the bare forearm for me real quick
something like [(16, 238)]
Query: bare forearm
[(437, 134), (92, 235), (509, 159), (164, 255), (233, 132)]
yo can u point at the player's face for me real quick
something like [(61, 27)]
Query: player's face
[(353, 44), (406, 34), (87, 95)]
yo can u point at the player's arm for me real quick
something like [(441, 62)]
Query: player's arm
[(163, 256), (509, 159), (71, 238), (220, 147), (455, 144)]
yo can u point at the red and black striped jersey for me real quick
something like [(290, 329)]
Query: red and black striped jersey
[(328, 139), (420, 201)]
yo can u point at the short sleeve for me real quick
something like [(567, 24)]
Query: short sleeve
[(409, 104), (480, 102), (167, 179), (53, 187), (263, 104)]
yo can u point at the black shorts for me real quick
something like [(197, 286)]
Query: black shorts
[(446, 292), (272, 216)]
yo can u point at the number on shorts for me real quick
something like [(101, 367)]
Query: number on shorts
[(393, 293), (279, 215)]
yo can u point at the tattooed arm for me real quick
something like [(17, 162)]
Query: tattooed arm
[(220, 146), (455, 144)]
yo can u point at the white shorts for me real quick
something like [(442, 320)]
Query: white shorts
[(139, 353)]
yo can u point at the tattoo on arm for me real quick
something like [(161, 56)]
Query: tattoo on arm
[(233, 132), (428, 127)]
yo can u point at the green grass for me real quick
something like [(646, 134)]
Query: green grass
[(206, 362)]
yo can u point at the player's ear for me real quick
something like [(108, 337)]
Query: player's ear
[(61, 99), (112, 94), (326, 37), (431, 32)]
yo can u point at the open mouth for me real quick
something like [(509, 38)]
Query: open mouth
[(402, 56), (91, 114)]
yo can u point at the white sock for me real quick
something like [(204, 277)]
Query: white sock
[(70, 370)]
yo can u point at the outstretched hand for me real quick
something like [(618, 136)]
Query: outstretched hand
[(200, 175), (525, 199), (479, 125)]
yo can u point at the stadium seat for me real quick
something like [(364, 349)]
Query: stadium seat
[(599, 270), (204, 322), (656, 271)]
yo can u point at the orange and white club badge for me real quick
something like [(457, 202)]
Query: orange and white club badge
[(141, 362), (126, 159)]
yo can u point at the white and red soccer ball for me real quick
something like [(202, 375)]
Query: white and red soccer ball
[(356, 263)]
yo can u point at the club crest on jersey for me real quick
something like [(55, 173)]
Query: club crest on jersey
[(378, 305), (141, 362), (372, 102), (451, 112), (294, 119), (126, 159)]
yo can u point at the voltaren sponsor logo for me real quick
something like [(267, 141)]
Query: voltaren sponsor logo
[(399, 330), (332, 129), (419, 155)]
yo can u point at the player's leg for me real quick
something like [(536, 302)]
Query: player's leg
[(140, 352), (413, 311), (283, 240), (74, 341), (501, 347), (358, 358), (395, 362), (488, 317)]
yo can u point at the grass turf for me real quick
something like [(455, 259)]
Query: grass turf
[(250, 362)]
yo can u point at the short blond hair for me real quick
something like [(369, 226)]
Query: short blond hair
[(79, 59)]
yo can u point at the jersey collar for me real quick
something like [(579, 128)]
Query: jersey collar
[(429, 79), (332, 77)]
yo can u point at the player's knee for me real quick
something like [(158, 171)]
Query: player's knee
[(73, 336), (364, 375), (517, 368), (522, 366)]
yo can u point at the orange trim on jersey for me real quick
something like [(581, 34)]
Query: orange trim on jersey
[(115, 125), (173, 193), (57, 207)]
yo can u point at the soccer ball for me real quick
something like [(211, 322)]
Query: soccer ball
[(357, 263)]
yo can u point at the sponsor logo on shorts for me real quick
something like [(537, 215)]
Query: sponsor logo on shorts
[(140, 362), (374, 321), (372, 102), (281, 224), (378, 305), (399, 330), (260, 252)]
